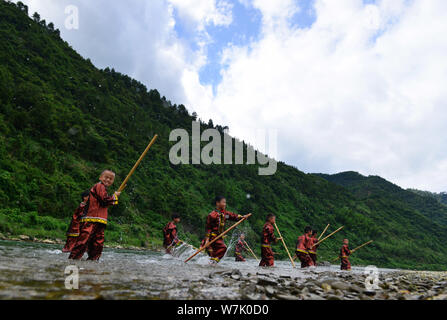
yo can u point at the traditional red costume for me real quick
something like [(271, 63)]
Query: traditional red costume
[(73, 229), (304, 244), (268, 236), (313, 250), (170, 236), (93, 224), (215, 225), (344, 256), (239, 248)]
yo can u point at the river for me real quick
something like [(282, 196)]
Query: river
[(30, 270)]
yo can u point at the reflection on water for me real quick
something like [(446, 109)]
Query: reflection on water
[(36, 271)]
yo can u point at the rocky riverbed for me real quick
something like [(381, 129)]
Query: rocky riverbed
[(39, 271), (330, 285)]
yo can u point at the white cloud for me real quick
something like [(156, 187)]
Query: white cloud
[(204, 12), (137, 38), (276, 13), (362, 89)]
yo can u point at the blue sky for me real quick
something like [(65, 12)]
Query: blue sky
[(245, 28)]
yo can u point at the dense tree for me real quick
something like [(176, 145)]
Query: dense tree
[(62, 121), (36, 17)]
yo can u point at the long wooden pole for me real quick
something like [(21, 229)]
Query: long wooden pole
[(284, 244), (359, 247), (251, 251), (324, 231), (328, 236), (123, 185), (218, 237)]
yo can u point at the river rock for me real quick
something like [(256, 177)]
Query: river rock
[(24, 237), (356, 288), (263, 281), (270, 291), (286, 297), (340, 285), (312, 296), (235, 277), (333, 297), (369, 293), (326, 287)]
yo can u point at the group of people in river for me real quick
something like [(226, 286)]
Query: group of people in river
[(86, 231), (305, 251)]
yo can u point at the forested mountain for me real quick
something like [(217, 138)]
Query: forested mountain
[(62, 121), (441, 196), (374, 187)]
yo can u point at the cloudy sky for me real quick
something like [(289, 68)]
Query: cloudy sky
[(348, 84)]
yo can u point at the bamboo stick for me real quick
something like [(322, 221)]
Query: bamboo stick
[(324, 231), (328, 236), (123, 185), (218, 237), (284, 243), (251, 251), (359, 247)]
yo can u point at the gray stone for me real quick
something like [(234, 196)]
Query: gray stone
[(266, 282), (270, 291), (286, 297), (340, 285)]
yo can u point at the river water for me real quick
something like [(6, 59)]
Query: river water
[(31, 270)]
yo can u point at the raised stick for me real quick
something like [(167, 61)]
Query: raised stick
[(123, 185), (354, 250), (284, 243), (328, 236), (218, 237), (251, 251), (324, 231)]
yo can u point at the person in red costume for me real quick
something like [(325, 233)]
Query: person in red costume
[(240, 248), (170, 233), (93, 224), (344, 256), (268, 237), (73, 229), (215, 225), (312, 249), (303, 245)]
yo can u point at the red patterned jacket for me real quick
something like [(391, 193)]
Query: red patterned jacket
[(215, 222), (73, 229), (240, 247), (313, 249), (304, 244), (268, 235), (345, 252), (170, 233), (99, 201)]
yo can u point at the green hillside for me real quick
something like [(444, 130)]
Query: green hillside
[(374, 187), (440, 197), (62, 121)]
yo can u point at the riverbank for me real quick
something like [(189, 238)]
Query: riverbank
[(26, 238)]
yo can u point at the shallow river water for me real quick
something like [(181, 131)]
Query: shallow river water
[(37, 271)]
